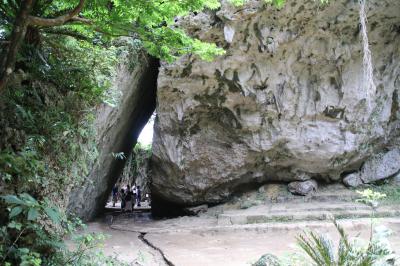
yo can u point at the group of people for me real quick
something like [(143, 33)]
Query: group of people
[(130, 197)]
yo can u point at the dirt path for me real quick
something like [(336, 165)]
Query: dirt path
[(244, 247), (126, 246), (194, 241)]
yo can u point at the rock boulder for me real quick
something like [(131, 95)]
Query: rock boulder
[(381, 166), (302, 188), (352, 180), (288, 97)]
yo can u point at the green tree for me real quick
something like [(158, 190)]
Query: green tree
[(25, 21)]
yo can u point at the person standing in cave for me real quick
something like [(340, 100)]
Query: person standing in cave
[(134, 194), (129, 201), (114, 194), (122, 196), (138, 196)]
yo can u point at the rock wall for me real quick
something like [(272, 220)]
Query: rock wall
[(117, 131), (287, 101)]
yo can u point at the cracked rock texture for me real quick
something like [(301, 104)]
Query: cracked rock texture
[(287, 102)]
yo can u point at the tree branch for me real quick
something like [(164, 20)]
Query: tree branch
[(65, 32), (8, 58), (81, 20), (97, 29), (58, 21)]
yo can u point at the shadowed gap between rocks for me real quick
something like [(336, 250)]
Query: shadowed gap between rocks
[(88, 201), (142, 112)]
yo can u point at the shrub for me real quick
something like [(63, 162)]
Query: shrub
[(34, 235)]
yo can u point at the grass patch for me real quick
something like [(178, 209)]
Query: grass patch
[(391, 189)]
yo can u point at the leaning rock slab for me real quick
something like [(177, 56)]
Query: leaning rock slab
[(381, 166), (117, 130), (302, 188)]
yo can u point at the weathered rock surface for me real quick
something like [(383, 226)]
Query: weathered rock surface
[(117, 131), (196, 210), (287, 98), (381, 166), (302, 188), (352, 180), (396, 179), (377, 167)]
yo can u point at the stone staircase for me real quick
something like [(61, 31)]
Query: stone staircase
[(311, 211), (333, 201)]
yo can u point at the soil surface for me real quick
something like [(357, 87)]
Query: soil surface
[(199, 241), (126, 246)]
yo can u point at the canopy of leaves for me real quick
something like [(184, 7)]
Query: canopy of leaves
[(151, 21)]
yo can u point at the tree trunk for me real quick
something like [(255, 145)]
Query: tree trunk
[(9, 55)]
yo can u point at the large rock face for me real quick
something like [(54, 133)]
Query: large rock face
[(118, 128), (287, 101)]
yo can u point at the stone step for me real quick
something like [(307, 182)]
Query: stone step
[(343, 197), (276, 226), (302, 207), (299, 215)]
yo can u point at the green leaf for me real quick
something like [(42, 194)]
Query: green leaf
[(23, 250), (52, 214), (12, 199), (28, 198), (15, 211), (15, 225), (32, 214)]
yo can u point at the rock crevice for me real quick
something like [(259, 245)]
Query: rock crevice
[(118, 129)]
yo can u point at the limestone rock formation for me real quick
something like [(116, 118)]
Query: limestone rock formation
[(287, 100), (381, 166), (302, 188), (117, 130), (352, 180), (377, 167)]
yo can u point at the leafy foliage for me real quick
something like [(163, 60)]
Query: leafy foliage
[(150, 21), (370, 197), (47, 144), (349, 253), (136, 165), (26, 235), (390, 189), (35, 236)]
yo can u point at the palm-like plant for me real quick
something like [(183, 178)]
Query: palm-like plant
[(322, 253)]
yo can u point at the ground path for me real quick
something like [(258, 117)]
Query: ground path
[(194, 241), (239, 233)]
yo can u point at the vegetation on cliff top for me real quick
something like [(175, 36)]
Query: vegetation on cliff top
[(26, 22)]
